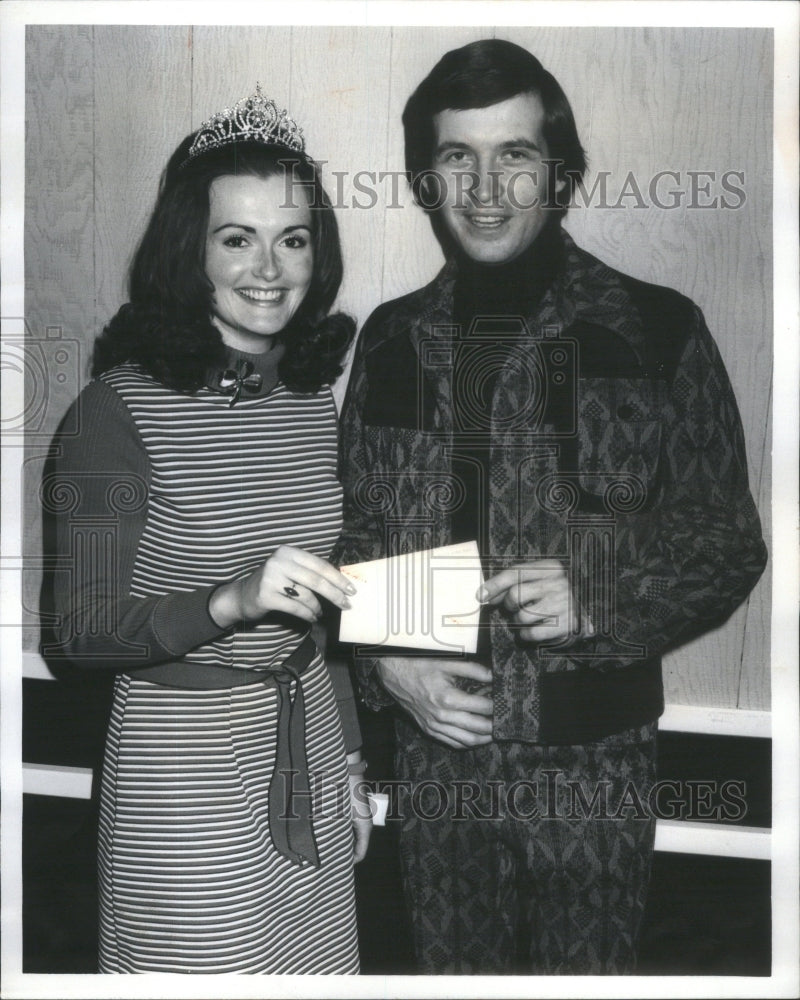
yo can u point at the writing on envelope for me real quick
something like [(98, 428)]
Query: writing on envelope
[(420, 600)]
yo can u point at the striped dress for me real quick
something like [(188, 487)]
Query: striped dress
[(201, 493)]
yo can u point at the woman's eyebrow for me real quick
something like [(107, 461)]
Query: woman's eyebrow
[(234, 225), (251, 229)]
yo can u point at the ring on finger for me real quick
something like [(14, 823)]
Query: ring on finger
[(291, 591)]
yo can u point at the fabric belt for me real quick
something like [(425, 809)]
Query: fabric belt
[(289, 787)]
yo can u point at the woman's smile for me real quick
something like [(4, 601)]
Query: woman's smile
[(262, 296)]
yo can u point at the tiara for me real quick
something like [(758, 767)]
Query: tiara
[(253, 119)]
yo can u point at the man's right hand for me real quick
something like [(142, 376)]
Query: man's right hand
[(426, 689)]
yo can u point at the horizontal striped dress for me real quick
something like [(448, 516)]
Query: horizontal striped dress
[(196, 492)]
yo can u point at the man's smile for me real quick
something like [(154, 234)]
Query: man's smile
[(487, 221)]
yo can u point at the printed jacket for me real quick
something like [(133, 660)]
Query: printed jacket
[(614, 445)]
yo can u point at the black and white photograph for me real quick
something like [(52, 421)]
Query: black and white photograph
[(399, 499)]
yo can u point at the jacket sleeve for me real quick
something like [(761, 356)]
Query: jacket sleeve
[(685, 563), (98, 495), (362, 531)]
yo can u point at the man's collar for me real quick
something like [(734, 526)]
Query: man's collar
[(585, 289), (594, 293)]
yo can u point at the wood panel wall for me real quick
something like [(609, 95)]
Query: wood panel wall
[(106, 105)]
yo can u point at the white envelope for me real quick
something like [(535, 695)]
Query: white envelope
[(422, 600)]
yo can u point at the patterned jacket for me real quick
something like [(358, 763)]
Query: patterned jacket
[(613, 444)]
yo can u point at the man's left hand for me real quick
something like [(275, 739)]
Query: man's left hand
[(538, 598)]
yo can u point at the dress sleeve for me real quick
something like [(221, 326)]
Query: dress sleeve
[(99, 495)]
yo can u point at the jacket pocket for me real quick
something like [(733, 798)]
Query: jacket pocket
[(619, 433)]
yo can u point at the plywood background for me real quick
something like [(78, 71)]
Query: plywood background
[(105, 106)]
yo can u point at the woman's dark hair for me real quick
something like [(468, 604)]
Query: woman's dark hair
[(476, 76), (166, 326)]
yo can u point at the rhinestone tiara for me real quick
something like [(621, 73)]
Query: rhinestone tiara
[(253, 119)]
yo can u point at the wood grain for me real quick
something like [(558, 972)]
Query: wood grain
[(348, 130), (227, 63), (755, 681), (414, 254), (143, 109), (59, 254)]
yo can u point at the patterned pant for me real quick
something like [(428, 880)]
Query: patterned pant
[(526, 859)]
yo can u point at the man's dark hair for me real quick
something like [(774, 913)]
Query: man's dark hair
[(476, 76), (166, 326)]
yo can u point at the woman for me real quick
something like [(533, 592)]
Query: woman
[(200, 481)]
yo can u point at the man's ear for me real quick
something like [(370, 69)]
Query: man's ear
[(552, 166), (431, 199)]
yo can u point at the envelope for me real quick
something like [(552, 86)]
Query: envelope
[(421, 600)]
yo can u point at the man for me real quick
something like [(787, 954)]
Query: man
[(580, 425)]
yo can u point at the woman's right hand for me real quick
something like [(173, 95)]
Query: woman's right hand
[(264, 590)]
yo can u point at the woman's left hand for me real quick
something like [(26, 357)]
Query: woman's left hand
[(359, 810)]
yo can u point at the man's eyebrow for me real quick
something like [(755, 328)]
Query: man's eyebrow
[(443, 147), (524, 143), (521, 142)]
